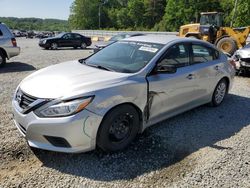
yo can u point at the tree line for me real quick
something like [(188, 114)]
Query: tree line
[(35, 24), (155, 15)]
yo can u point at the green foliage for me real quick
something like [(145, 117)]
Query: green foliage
[(35, 24), (157, 15)]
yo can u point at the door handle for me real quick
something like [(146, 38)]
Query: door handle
[(190, 76), (217, 67)]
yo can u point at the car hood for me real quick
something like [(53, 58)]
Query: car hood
[(244, 52), (68, 79)]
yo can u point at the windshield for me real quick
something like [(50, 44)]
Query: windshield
[(59, 35), (124, 56)]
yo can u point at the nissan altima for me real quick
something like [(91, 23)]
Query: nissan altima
[(106, 99)]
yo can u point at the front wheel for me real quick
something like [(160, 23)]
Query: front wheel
[(54, 46), (219, 93), (118, 129), (2, 59), (227, 45)]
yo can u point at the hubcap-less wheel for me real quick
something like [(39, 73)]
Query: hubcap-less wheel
[(118, 128), (83, 45), (220, 92), (121, 127), (54, 46)]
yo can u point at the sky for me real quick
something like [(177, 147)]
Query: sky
[(58, 9)]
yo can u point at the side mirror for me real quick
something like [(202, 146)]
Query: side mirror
[(166, 69)]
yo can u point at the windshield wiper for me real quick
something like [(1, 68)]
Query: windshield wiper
[(96, 66)]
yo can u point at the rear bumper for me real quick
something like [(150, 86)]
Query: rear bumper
[(12, 51)]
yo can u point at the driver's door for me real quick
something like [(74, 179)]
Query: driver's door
[(171, 93)]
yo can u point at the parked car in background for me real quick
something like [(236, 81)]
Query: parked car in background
[(108, 98), (242, 59), (65, 40), (114, 39), (8, 44)]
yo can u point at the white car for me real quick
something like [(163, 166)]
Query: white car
[(105, 100), (242, 59)]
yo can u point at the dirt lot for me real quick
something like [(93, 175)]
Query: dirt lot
[(205, 147)]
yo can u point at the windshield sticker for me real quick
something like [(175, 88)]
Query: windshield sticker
[(148, 49)]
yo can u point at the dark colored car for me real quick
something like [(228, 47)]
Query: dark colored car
[(65, 40), (114, 39)]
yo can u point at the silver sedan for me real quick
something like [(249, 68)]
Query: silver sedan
[(106, 99)]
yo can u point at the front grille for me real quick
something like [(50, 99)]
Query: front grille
[(24, 100), (247, 60)]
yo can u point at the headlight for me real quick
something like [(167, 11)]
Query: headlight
[(44, 41), (64, 108)]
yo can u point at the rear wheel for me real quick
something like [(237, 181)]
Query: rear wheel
[(118, 129), (2, 59), (83, 45), (227, 45), (219, 93)]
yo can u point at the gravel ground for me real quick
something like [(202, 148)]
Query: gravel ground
[(205, 147)]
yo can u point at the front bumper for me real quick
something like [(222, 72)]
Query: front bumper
[(46, 45), (71, 134)]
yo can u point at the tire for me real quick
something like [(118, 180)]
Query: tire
[(118, 129), (2, 59), (220, 93), (83, 45), (54, 46), (227, 45)]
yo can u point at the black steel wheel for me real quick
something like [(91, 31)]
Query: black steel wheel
[(119, 127)]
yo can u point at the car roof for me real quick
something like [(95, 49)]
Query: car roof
[(160, 39)]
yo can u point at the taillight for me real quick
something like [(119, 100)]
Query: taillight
[(13, 40), (233, 63)]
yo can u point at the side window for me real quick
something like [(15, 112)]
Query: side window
[(77, 36), (67, 36), (176, 55), (202, 54), (1, 34)]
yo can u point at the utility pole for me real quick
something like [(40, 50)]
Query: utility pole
[(99, 11), (234, 13), (99, 14)]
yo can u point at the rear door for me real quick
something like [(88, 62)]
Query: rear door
[(207, 68), (78, 40)]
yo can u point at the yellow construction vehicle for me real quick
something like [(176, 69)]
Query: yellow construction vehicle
[(210, 29)]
